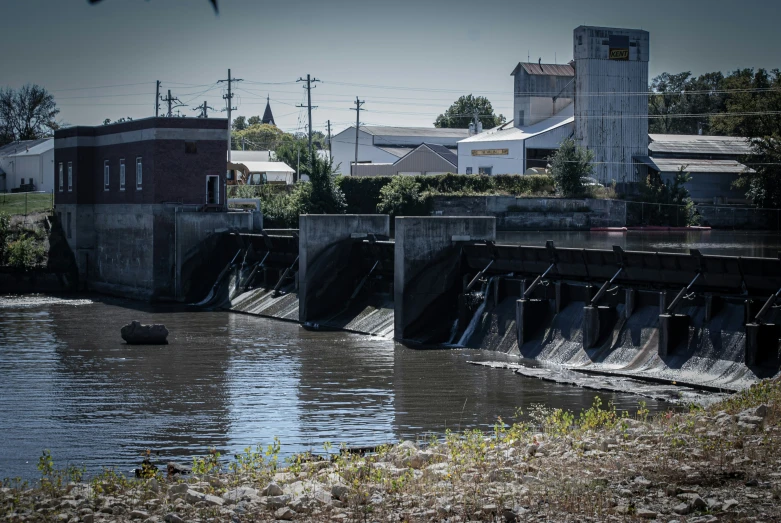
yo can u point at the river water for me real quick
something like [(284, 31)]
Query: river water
[(69, 384)]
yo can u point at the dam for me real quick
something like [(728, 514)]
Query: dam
[(705, 320)]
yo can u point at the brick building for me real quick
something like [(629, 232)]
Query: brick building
[(128, 193)]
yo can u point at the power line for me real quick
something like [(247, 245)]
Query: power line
[(204, 110), (170, 101)]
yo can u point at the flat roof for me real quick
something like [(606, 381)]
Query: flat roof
[(673, 165), (508, 132), (699, 144)]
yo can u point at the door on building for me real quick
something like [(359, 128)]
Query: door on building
[(212, 190)]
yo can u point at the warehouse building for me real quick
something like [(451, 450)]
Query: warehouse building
[(386, 145), (424, 159)]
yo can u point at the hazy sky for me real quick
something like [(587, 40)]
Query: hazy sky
[(407, 59)]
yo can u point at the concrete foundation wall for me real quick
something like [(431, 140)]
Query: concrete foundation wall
[(420, 241), (319, 231), (536, 213)]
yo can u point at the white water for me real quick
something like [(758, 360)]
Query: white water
[(36, 300)]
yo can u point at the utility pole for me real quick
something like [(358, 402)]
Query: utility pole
[(309, 81), (170, 101), (329, 140), (157, 99), (357, 109), (203, 108), (228, 98)]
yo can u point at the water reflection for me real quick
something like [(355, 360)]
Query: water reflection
[(68, 383)]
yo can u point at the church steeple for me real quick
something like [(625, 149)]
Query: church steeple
[(267, 116)]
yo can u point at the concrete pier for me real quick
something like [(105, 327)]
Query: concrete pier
[(762, 343), (425, 255), (597, 323), (324, 246), (673, 331)]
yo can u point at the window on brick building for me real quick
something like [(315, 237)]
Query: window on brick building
[(60, 172), (139, 173), (105, 175), (70, 177), (121, 174)]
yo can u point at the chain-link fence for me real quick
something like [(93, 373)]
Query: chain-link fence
[(24, 203), (716, 216)]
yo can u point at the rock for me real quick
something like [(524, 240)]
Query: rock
[(134, 333), (192, 496), (89, 518), (729, 504), (418, 460), (641, 481), (139, 514), (276, 502), (682, 509), (284, 513), (178, 468), (340, 492), (173, 518), (698, 503), (489, 509), (272, 489), (177, 489), (646, 513), (760, 411), (235, 495)]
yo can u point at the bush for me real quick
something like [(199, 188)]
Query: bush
[(673, 206), (569, 166), (5, 230), (362, 193), (402, 197), (25, 252)]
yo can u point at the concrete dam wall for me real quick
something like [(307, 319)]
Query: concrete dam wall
[(708, 321)]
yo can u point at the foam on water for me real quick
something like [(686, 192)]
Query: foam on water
[(38, 300)]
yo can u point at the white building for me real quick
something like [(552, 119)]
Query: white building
[(599, 99), (27, 163), (383, 144)]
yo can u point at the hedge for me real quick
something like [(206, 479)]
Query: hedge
[(363, 193)]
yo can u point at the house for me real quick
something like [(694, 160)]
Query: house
[(385, 144), (712, 161), (27, 166), (132, 196), (424, 159)]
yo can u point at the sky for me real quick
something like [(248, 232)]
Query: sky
[(408, 60)]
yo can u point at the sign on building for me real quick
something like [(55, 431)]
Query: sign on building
[(490, 152), (619, 47)]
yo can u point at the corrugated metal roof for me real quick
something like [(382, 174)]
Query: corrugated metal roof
[(398, 152), (17, 147), (446, 154), (672, 165), (564, 117), (434, 132), (545, 69), (251, 156), (698, 144)]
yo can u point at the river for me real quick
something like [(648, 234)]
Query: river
[(69, 384)]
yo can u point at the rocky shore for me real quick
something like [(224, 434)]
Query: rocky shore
[(704, 465)]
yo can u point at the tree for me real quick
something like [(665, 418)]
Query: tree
[(461, 113), (677, 207), (402, 197), (239, 123), (254, 120), (27, 113), (569, 165), (752, 95), (763, 181), (675, 96), (259, 137), (108, 121), (294, 152)]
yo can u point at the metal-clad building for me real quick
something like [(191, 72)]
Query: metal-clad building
[(540, 91), (611, 104), (424, 159)]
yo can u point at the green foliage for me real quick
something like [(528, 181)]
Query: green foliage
[(569, 165), (54, 480), (461, 113), (362, 194), (239, 123), (25, 252), (325, 196), (5, 231), (402, 197), (259, 137), (674, 206), (763, 182), (730, 105)]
